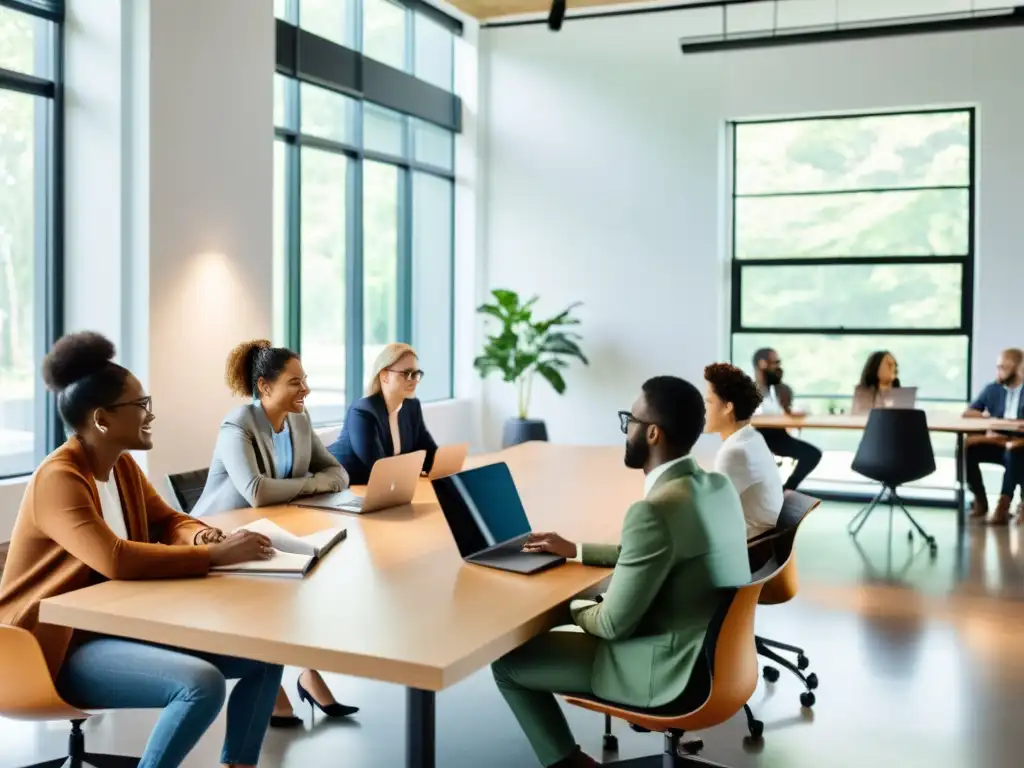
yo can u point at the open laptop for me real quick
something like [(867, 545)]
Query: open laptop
[(487, 519), (448, 460), (392, 484), (899, 397)]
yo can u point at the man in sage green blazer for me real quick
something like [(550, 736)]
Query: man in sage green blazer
[(679, 546)]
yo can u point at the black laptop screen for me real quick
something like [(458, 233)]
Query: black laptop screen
[(482, 507)]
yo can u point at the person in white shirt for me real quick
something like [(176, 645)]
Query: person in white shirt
[(730, 401), (999, 400), (778, 399)]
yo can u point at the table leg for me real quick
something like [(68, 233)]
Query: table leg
[(961, 504), (419, 729), (961, 482)]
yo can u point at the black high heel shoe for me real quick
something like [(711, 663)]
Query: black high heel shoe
[(331, 710)]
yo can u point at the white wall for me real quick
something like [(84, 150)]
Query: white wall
[(605, 163)]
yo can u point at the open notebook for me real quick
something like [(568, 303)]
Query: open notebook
[(295, 555)]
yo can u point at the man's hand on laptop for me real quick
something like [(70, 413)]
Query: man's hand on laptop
[(550, 542)]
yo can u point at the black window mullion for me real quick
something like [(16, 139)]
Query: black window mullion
[(293, 245), (354, 283), (404, 268)]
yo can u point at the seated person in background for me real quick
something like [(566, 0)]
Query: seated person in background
[(389, 420), (778, 399), (268, 453), (88, 515), (879, 377), (680, 545), (730, 400), (999, 400)]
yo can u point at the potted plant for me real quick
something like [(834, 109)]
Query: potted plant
[(523, 348)]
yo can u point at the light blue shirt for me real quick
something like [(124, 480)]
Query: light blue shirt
[(1012, 402), (283, 457)]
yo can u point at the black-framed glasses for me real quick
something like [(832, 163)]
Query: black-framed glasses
[(411, 374), (145, 403), (626, 418)]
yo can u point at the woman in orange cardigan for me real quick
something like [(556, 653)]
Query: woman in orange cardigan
[(90, 514)]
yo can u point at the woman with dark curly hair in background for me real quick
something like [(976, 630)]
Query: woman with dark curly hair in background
[(268, 453), (89, 514), (730, 401)]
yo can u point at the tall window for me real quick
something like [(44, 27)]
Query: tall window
[(29, 211), (853, 234), (364, 199)]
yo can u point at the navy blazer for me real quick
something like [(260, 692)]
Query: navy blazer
[(993, 400), (366, 436)]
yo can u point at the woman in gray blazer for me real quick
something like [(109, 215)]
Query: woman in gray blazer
[(268, 453)]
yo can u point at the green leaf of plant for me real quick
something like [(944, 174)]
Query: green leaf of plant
[(553, 377)]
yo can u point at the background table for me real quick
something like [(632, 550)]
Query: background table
[(394, 601), (937, 422)]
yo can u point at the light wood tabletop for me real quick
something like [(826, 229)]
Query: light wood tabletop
[(937, 422), (394, 601)]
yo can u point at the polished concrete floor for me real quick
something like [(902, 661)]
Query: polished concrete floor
[(921, 663)]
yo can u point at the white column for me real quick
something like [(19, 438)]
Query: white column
[(201, 217)]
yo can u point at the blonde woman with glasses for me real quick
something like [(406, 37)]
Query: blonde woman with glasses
[(389, 420)]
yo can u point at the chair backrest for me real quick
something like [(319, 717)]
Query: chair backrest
[(729, 655), (896, 447), (188, 487), (26, 688), (784, 586)]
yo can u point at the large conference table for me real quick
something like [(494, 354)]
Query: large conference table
[(394, 601), (937, 422)]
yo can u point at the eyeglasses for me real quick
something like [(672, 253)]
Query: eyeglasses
[(626, 418), (145, 403), (412, 374)]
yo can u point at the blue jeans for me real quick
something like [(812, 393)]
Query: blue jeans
[(110, 673)]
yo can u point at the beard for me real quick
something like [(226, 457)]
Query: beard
[(1008, 378), (637, 451), (773, 378)]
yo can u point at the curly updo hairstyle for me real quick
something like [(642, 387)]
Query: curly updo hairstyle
[(80, 370), (732, 385), (251, 361)]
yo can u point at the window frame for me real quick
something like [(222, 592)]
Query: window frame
[(420, 100), (48, 272), (965, 261)]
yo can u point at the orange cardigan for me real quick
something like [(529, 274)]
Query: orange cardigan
[(61, 543)]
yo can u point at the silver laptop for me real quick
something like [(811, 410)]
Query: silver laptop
[(392, 483), (864, 399), (448, 460)]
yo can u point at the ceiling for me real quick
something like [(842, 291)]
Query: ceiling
[(490, 9), (839, 10)]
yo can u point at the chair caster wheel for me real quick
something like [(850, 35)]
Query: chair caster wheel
[(933, 548), (611, 742), (756, 729), (690, 747), (910, 536), (807, 699), (771, 674), (812, 681), (802, 662)]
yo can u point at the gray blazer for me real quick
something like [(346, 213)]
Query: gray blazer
[(242, 470)]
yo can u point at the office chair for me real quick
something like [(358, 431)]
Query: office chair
[(896, 449), (27, 693), (188, 487), (719, 687), (778, 544)]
